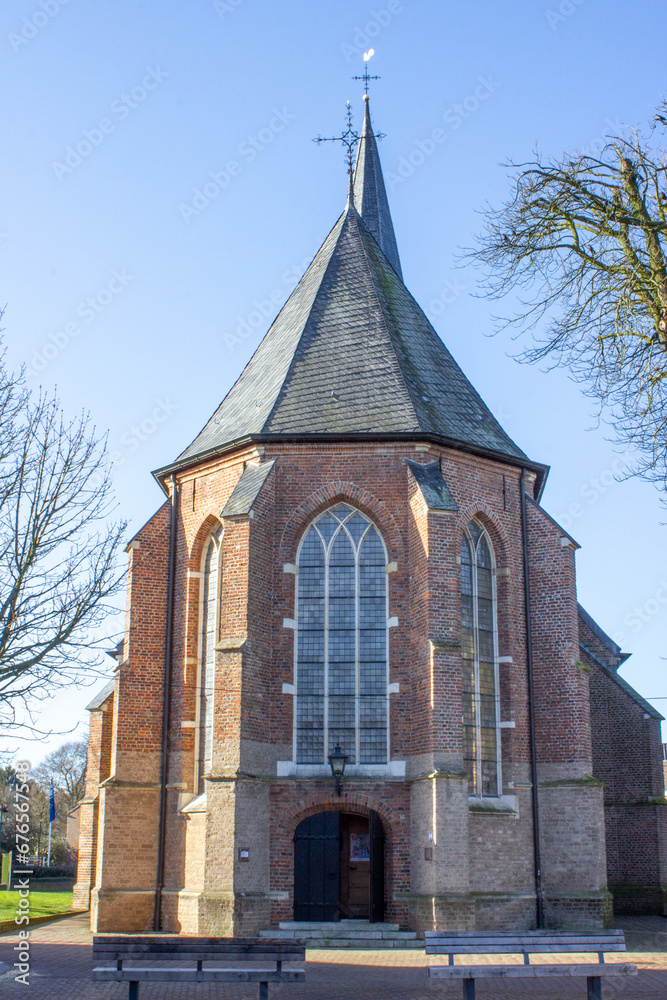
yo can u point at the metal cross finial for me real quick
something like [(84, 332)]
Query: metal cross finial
[(366, 78), (349, 138)]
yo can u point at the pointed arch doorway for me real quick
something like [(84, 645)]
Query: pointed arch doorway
[(339, 867)]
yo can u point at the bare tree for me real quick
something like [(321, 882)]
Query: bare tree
[(58, 544), (37, 817), (584, 240), (66, 767)]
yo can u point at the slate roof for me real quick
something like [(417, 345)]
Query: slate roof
[(611, 666), (351, 352), (101, 697), (432, 485), (370, 195), (245, 492), (615, 650)]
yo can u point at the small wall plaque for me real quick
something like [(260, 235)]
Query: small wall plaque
[(244, 854), (428, 854)]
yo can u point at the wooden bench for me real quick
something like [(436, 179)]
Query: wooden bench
[(527, 943), (163, 948)]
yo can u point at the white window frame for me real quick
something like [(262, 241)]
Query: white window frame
[(214, 537), (478, 794)]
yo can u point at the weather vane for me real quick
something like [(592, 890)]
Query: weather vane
[(366, 78), (349, 138)]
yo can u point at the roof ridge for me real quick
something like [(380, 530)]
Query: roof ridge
[(403, 360), (350, 210), (374, 313), (302, 280), (370, 193), (412, 378), (382, 315)]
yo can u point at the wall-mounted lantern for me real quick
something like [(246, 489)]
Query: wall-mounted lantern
[(337, 762)]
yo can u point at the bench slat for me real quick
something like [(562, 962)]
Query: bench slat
[(177, 939), (589, 943), (199, 976), (482, 948), (526, 939), (514, 971), (201, 956), (527, 934), (192, 944)]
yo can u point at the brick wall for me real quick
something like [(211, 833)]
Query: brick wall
[(627, 758), (475, 855), (97, 770)]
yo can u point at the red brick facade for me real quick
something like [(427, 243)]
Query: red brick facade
[(627, 759), (480, 870)]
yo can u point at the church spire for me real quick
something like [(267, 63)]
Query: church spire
[(370, 196), (351, 353)]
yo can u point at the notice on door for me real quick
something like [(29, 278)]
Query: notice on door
[(360, 848)]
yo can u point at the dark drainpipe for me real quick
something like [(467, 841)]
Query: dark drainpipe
[(166, 686), (539, 902)]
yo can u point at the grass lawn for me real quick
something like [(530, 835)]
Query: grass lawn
[(41, 903)]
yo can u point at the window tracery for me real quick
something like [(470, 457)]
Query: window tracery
[(341, 640)]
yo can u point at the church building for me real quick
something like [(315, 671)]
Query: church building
[(352, 572)]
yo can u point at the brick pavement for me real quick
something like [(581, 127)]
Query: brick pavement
[(61, 964)]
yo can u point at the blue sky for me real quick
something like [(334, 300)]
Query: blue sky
[(162, 195)]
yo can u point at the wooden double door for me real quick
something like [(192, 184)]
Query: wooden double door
[(339, 867)]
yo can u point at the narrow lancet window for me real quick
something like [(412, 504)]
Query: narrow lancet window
[(341, 641), (481, 747), (209, 620)]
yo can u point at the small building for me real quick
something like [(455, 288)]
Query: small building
[(352, 560)]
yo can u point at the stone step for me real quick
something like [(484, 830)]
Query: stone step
[(364, 945), (335, 925), (344, 934)]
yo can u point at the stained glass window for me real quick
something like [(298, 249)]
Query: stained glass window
[(481, 747), (209, 591), (341, 640)]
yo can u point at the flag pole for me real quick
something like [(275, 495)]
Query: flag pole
[(52, 816)]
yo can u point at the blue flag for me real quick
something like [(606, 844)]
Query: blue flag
[(52, 804)]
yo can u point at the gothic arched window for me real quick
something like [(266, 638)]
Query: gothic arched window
[(341, 640), (209, 619), (481, 746)]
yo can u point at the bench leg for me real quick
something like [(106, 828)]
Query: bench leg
[(594, 987), (134, 991), (468, 989), (263, 991)]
